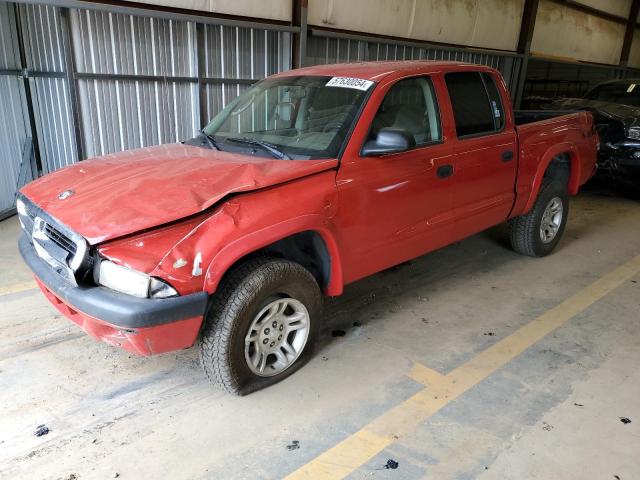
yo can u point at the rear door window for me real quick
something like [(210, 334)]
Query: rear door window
[(473, 111)]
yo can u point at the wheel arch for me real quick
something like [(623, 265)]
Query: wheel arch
[(301, 240), (555, 163)]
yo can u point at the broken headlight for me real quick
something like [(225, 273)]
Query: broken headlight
[(125, 280), (23, 215), (633, 133)]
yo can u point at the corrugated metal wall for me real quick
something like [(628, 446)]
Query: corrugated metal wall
[(321, 50), (44, 50), (245, 54), (102, 82), (14, 125), (127, 112), (136, 77)]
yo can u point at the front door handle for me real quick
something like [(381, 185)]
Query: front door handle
[(507, 155), (445, 171)]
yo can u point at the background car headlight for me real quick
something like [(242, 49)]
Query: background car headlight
[(125, 280), (633, 133)]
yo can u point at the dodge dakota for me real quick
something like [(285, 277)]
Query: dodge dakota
[(309, 180)]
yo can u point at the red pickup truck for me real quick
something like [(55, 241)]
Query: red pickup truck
[(309, 180)]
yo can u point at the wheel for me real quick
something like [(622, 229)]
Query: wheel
[(537, 233), (260, 326)]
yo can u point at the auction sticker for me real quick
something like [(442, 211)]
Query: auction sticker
[(348, 82)]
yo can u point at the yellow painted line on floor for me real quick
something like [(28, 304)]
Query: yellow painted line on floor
[(345, 457), (18, 287)]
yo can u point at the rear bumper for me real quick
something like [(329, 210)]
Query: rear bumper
[(142, 326)]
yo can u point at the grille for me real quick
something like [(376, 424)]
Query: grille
[(62, 248), (60, 239)]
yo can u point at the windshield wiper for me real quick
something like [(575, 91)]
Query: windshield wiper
[(269, 147), (210, 140)]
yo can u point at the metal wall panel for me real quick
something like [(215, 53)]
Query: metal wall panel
[(244, 54), (52, 111), (507, 65), (615, 7), (111, 43), (14, 124), (120, 113), (562, 31), (468, 22), (9, 56), (272, 9), (15, 129), (124, 114), (322, 50), (42, 38), (44, 51)]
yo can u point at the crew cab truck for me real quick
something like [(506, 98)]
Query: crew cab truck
[(309, 180)]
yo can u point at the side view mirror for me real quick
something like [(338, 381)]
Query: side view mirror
[(389, 140)]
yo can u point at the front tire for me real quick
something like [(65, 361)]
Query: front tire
[(260, 326), (537, 233)]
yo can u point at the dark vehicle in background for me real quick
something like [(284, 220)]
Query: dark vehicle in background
[(616, 109)]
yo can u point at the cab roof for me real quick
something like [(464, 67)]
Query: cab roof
[(376, 71)]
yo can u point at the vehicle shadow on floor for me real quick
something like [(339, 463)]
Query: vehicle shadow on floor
[(486, 251)]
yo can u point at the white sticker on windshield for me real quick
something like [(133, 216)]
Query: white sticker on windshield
[(348, 82)]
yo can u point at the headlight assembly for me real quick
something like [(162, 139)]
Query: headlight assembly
[(23, 215), (125, 280)]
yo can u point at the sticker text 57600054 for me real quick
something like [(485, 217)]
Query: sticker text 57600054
[(348, 82)]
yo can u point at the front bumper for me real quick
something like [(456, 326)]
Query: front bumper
[(139, 325), (620, 163)]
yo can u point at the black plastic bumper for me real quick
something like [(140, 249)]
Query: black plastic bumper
[(113, 307)]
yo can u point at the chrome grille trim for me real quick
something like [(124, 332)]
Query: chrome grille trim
[(60, 238), (63, 249)]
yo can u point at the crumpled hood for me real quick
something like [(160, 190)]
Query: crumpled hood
[(628, 115), (126, 192)]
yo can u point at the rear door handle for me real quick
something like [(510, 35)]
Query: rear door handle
[(507, 155), (445, 171)]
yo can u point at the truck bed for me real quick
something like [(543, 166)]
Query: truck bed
[(522, 117)]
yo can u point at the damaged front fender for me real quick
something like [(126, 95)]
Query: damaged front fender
[(193, 255)]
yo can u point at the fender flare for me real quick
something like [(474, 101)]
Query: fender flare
[(547, 158), (254, 241)]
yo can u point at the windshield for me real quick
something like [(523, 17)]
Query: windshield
[(624, 93), (290, 117)]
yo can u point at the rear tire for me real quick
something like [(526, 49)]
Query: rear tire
[(260, 326), (537, 233)]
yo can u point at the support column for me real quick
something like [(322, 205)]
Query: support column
[(27, 88), (299, 16), (524, 45), (628, 34), (70, 72), (202, 86)]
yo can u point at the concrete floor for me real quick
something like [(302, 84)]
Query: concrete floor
[(552, 411)]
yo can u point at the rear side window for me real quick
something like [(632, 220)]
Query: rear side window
[(473, 111)]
